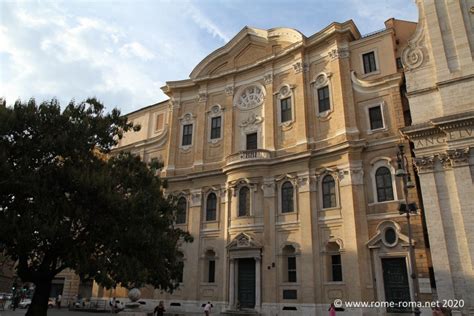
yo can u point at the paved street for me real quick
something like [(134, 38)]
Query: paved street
[(66, 312), (52, 312)]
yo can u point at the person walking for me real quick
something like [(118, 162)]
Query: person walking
[(207, 309), (160, 309), (58, 301)]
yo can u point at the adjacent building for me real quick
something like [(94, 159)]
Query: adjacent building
[(281, 150), (440, 87)]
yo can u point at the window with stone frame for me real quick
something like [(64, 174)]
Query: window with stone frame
[(252, 142), (211, 207), (376, 117), (187, 135), (287, 199), (370, 64), (289, 255), (244, 201), (211, 266), (216, 127), (323, 99), (383, 182), (329, 192), (181, 210), (285, 110), (334, 262)]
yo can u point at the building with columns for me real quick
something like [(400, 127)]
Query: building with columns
[(281, 150), (440, 84)]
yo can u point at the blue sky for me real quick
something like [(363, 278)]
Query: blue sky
[(122, 51)]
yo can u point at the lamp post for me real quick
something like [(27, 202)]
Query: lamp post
[(408, 209)]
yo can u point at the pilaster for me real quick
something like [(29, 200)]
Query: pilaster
[(269, 272), (300, 68), (269, 111)]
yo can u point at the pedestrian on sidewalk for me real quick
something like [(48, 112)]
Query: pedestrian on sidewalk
[(58, 301), (207, 309), (160, 309)]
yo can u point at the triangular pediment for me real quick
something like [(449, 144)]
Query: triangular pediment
[(243, 241), (248, 47)]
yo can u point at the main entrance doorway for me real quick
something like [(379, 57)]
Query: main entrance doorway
[(246, 282), (395, 277)]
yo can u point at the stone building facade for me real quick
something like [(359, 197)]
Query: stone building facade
[(440, 84), (281, 149)]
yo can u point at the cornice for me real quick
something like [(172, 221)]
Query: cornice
[(159, 141), (370, 86), (440, 125), (300, 41)]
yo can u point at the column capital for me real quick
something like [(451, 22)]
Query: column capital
[(196, 197), (424, 164), (268, 187)]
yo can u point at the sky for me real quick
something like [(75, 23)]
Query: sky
[(123, 51)]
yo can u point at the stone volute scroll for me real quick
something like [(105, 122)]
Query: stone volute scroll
[(413, 55)]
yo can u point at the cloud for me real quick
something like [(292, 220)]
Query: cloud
[(137, 50), (76, 58), (205, 23)]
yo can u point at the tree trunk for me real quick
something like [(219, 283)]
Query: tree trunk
[(39, 303)]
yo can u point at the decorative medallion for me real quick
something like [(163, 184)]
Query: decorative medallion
[(250, 97)]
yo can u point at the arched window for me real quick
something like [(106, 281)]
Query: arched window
[(211, 207), (287, 205), (329, 192), (244, 201), (181, 211), (211, 266), (289, 254), (383, 181)]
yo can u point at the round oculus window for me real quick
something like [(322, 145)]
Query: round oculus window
[(250, 97), (390, 236)]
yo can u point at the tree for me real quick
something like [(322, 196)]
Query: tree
[(65, 202)]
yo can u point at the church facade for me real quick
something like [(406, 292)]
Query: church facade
[(282, 152)]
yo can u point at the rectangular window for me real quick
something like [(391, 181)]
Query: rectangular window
[(285, 105), (369, 62), (336, 268), (216, 127), (289, 295), (212, 271), (323, 99), (159, 122), (187, 134), (251, 141), (375, 116), (291, 269)]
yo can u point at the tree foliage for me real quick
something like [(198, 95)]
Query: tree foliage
[(65, 202)]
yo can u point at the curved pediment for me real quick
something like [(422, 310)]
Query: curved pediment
[(247, 47)]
